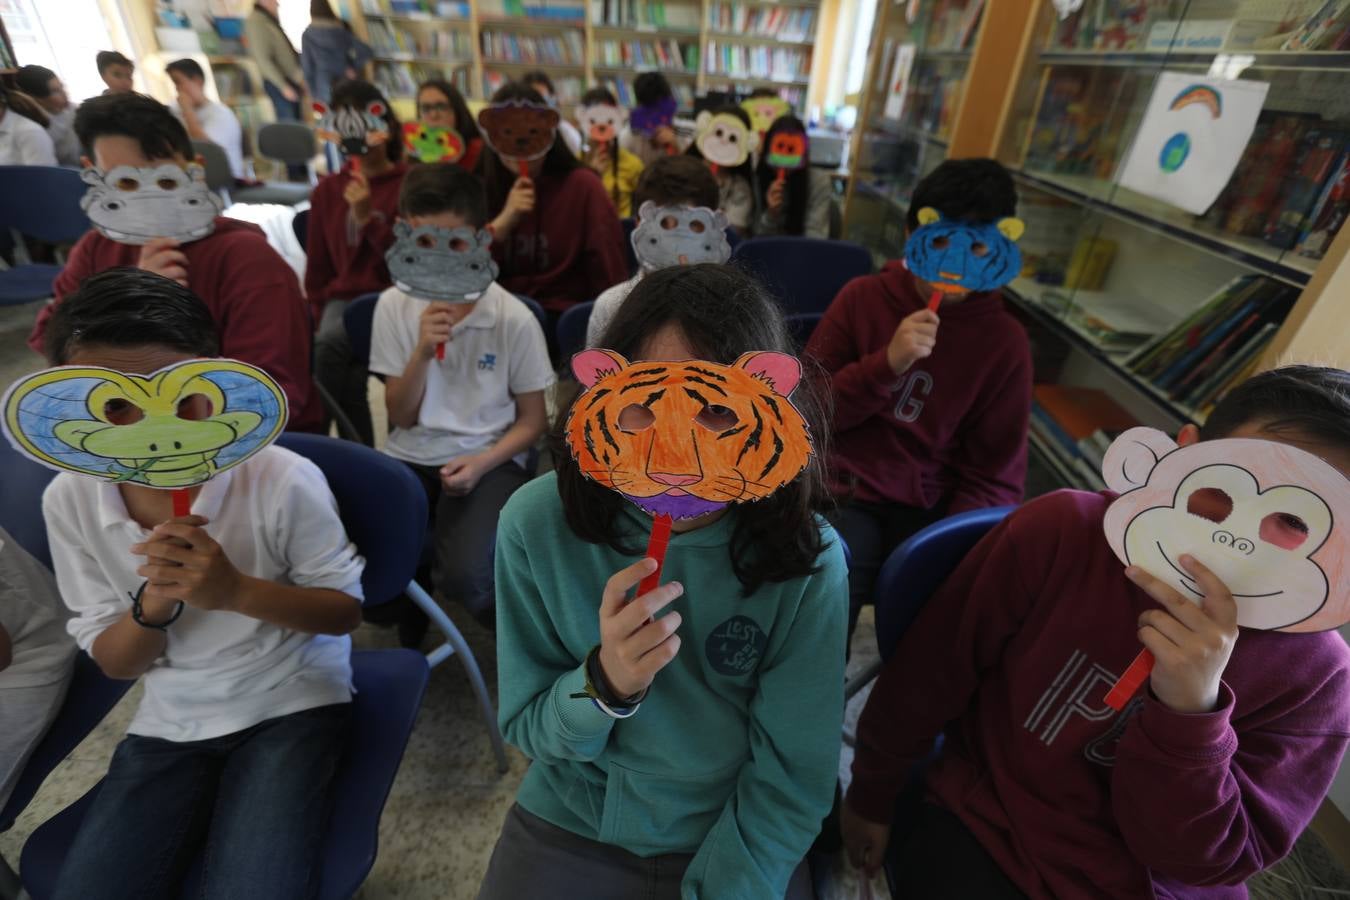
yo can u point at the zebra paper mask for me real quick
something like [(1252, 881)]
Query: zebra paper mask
[(679, 235), (450, 264), (134, 205), (354, 131)]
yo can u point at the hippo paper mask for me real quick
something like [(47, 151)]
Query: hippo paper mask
[(134, 205), (450, 264), (1270, 520), (518, 130), (354, 131), (764, 111), (432, 143), (724, 140), (601, 122), (648, 120), (173, 429), (679, 235), (687, 438), (959, 257), (787, 150)]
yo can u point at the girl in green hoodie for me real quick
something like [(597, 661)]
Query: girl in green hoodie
[(684, 744)]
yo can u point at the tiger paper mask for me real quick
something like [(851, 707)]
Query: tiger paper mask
[(519, 131), (175, 428), (959, 257), (354, 131), (134, 205), (601, 122), (450, 264), (432, 143), (679, 235), (648, 120), (1270, 520), (764, 111), (724, 139), (687, 438)]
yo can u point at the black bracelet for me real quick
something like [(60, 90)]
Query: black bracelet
[(604, 690), (138, 614)]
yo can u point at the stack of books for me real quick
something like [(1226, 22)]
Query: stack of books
[(562, 49), (1072, 427), (651, 54), (767, 63), (400, 79), (645, 15), (784, 24)]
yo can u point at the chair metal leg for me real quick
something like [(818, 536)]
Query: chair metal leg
[(346, 430), (456, 645), (861, 680)]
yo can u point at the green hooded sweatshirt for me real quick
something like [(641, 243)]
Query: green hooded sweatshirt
[(733, 755)]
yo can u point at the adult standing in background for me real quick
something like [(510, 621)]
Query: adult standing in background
[(329, 52), (46, 88), (277, 60)]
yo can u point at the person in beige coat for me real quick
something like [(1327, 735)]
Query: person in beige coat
[(277, 60)]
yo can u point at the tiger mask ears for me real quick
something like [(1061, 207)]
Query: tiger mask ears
[(1010, 227), (780, 371)]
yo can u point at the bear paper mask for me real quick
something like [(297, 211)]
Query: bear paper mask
[(432, 143), (134, 205), (519, 131), (354, 131), (432, 263), (1270, 520), (956, 257), (173, 429), (686, 438), (724, 140), (679, 235), (601, 122)]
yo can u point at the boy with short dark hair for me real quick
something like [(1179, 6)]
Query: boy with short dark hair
[(204, 118), (116, 71), (464, 424), (1041, 789), (928, 421), (252, 292), (238, 630)]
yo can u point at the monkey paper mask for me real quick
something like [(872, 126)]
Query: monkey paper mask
[(686, 438), (173, 429), (135, 205), (679, 235), (519, 131), (432, 143), (764, 111), (648, 120), (451, 264), (724, 139), (354, 131), (601, 122), (1270, 520), (959, 257)]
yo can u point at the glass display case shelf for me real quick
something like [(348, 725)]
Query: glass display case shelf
[(1222, 60)]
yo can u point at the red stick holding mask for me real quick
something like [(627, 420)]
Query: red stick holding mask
[(182, 502), (440, 352), (1128, 684), (656, 549), (523, 168), (935, 301)]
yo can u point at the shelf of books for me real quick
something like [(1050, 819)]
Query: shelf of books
[(917, 63), (415, 42), (1172, 290)]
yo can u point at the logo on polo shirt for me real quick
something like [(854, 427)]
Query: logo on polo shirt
[(488, 363)]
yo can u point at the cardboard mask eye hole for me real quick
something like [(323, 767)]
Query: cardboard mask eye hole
[(459, 245), (122, 412), (669, 223), (940, 243), (195, 407), (697, 227), (1211, 504), (128, 184), (426, 241), (636, 417), (1284, 530), (978, 249), (717, 418)]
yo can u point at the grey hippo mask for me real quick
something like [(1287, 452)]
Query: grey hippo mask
[(133, 205), (450, 264), (679, 235)]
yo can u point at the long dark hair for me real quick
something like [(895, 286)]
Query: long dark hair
[(497, 176), (600, 96), (722, 312), (321, 9), (746, 169), (797, 185), (465, 123), (356, 93)]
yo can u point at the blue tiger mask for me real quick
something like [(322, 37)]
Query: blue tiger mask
[(957, 257)]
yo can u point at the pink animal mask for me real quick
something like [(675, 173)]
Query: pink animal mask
[(1270, 520)]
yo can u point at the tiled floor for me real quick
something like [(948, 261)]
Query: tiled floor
[(448, 801)]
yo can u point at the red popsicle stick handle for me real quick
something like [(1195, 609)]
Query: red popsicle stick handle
[(182, 503), (1129, 683), (356, 164), (670, 149), (935, 301), (656, 549), (780, 177), (440, 351), (523, 168), (715, 168)]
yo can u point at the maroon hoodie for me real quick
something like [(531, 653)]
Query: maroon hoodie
[(251, 291), (1013, 656), (343, 261), (953, 428)]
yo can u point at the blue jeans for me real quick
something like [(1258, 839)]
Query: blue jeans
[(254, 805)]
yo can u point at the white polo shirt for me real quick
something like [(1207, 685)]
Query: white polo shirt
[(222, 128), (24, 142), (221, 672), (495, 353)]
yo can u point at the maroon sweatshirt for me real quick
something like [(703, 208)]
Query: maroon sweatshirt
[(344, 261), (1013, 657), (251, 291), (569, 249), (954, 427)]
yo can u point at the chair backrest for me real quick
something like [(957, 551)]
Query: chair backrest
[(359, 319), (218, 177), (538, 311), (288, 142), (916, 569), (300, 225), (43, 202), (21, 501), (802, 325), (572, 331), (382, 504), (804, 273)]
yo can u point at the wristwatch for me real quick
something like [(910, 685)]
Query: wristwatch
[(597, 689)]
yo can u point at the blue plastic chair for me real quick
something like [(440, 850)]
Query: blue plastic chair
[(804, 273), (572, 332), (801, 326), (41, 202), (381, 504)]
